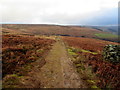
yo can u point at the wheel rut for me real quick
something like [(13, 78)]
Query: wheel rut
[(59, 72)]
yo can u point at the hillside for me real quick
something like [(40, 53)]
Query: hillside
[(75, 31), (52, 56), (112, 29), (89, 62)]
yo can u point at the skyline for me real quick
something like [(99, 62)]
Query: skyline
[(60, 12)]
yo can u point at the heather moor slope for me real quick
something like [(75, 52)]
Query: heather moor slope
[(90, 64), (52, 56), (74, 31)]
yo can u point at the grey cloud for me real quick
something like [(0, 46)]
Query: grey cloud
[(45, 11)]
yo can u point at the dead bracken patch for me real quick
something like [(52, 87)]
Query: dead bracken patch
[(19, 51), (108, 73)]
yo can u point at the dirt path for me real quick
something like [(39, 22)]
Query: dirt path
[(58, 72)]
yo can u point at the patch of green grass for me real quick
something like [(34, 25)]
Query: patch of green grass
[(78, 65), (11, 81), (94, 86), (81, 66), (91, 81), (74, 51), (88, 51), (101, 35), (71, 52)]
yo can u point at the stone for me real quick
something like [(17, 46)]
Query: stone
[(112, 53)]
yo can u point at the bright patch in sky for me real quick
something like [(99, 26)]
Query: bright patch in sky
[(54, 11)]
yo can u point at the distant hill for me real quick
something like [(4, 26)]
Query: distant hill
[(74, 31), (111, 29)]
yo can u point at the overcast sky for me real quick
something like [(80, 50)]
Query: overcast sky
[(65, 12)]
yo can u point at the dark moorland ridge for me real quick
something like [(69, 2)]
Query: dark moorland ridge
[(42, 29), (112, 29)]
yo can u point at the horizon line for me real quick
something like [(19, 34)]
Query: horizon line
[(58, 24)]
